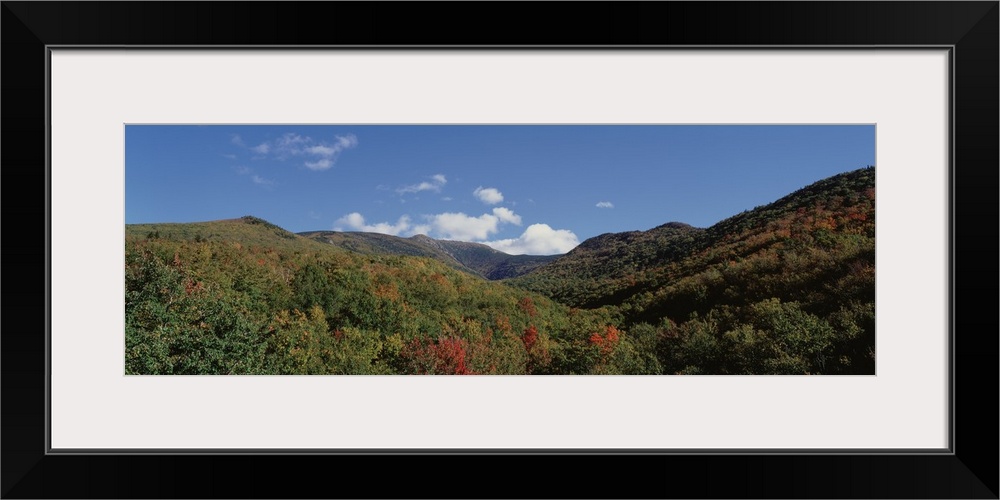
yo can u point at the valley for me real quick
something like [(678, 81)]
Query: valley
[(784, 288)]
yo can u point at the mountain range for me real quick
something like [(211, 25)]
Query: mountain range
[(786, 287), (474, 258)]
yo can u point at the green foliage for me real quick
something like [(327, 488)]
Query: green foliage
[(788, 288), (767, 337), (177, 324), (299, 343), (255, 304), (637, 353), (605, 269), (312, 286), (814, 248)]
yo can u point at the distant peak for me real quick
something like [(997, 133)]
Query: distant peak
[(249, 219), (674, 225)]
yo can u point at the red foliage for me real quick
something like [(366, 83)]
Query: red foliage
[(608, 341), (611, 335), (530, 337), (450, 354), (446, 356)]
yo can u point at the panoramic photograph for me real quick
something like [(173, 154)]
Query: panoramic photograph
[(499, 250)]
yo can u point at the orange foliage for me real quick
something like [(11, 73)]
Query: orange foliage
[(450, 354), (503, 324), (388, 291), (446, 356), (530, 337), (608, 341)]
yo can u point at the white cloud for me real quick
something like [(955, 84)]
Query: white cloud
[(346, 142), (437, 182), (291, 141), (321, 150), (231, 157), (461, 227), (352, 220), (242, 170), (402, 225), (506, 215), (321, 155), (340, 144), (447, 226), (538, 239), (260, 180), (355, 221), (490, 196), (321, 164), (327, 153), (605, 204), (416, 188)]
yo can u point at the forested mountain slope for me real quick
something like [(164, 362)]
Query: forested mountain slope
[(246, 297), (474, 258), (784, 287), (603, 268)]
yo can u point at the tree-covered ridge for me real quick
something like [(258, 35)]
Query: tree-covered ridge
[(486, 261), (247, 230), (383, 244), (787, 288), (601, 269), (474, 258), (259, 303)]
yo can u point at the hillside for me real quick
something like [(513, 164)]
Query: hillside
[(602, 268), (474, 258), (243, 296), (383, 244), (484, 260), (806, 259), (247, 231), (786, 288)]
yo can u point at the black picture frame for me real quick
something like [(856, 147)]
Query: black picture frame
[(970, 28)]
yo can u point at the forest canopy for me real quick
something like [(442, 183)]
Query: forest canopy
[(785, 288)]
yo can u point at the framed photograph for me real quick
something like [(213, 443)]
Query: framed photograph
[(825, 169)]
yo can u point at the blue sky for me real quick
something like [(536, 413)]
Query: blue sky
[(538, 189)]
